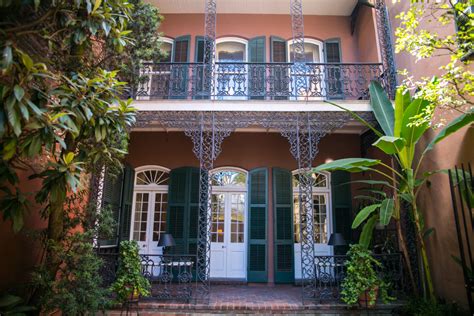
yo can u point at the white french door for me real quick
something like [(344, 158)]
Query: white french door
[(322, 223), (149, 220), (228, 235)]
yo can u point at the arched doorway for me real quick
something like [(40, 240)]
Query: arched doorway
[(150, 202), (229, 223)]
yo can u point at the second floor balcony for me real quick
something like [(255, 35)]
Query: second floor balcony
[(258, 81)]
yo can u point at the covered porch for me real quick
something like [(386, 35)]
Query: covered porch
[(283, 236)]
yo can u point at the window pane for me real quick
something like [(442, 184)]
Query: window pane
[(141, 211), (159, 217), (231, 51), (224, 178), (237, 217), (217, 218)]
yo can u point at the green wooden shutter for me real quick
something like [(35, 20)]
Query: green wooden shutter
[(283, 224), (200, 91), (279, 85), (179, 73), (258, 210), (126, 203), (183, 203), (256, 54), (332, 54), (341, 205), (176, 209), (111, 199)]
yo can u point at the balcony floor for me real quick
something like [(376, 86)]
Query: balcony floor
[(254, 299)]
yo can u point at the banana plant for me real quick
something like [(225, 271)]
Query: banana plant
[(398, 139)]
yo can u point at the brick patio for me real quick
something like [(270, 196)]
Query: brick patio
[(254, 299)]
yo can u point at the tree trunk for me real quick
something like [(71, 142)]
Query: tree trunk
[(424, 256), (406, 256)]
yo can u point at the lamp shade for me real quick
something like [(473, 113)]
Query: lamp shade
[(166, 240), (337, 239)]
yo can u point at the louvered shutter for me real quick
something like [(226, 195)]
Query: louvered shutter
[(111, 200), (258, 210), (201, 90), (283, 217), (256, 54), (332, 54), (279, 85), (179, 72), (183, 209), (177, 208), (341, 205), (126, 203)]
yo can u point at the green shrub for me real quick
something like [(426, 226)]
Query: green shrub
[(130, 280), (361, 277)]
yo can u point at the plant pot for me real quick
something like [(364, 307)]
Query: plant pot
[(366, 300)]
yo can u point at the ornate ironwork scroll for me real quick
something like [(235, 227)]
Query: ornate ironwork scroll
[(299, 67), (210, 13), (386, 46)]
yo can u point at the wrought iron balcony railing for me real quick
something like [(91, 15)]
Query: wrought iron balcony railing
[(257, 81)]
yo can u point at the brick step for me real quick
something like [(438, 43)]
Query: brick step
[(156, 308)]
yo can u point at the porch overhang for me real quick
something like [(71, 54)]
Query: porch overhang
[(247, 115)]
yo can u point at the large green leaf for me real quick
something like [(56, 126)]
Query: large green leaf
[(348, 164), (451, 128), (366, 235), (363, 214), (410, 131), (382, 107), (386, 211), (402, 101), (390, 144), (9, 300)]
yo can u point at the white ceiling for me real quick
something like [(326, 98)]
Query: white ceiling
[(310, 7)]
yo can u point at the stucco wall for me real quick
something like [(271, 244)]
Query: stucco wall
[(252, 25), (365, 36), (21, 251), (435, 200)]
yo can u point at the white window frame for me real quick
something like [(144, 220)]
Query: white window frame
[(320, 45), (319, 190), (149, 188), (152, 72), (246, 49)]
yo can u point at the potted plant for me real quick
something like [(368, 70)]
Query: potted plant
[(362, 284), (130, 283)]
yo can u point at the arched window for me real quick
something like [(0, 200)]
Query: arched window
[(150, 204), (223, 177), (321, 206)]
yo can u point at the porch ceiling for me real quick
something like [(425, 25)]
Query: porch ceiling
[(322, 121), (310, 7)]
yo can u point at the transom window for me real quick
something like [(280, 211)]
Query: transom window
[(224, 178), (321, 196), (152, 177)]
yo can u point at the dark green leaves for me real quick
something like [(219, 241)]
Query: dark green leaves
[(386, 211), (366, 235), (382, 107), (363, 214), (348, 164)]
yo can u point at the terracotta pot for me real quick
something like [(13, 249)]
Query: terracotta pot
[(365, 298)]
